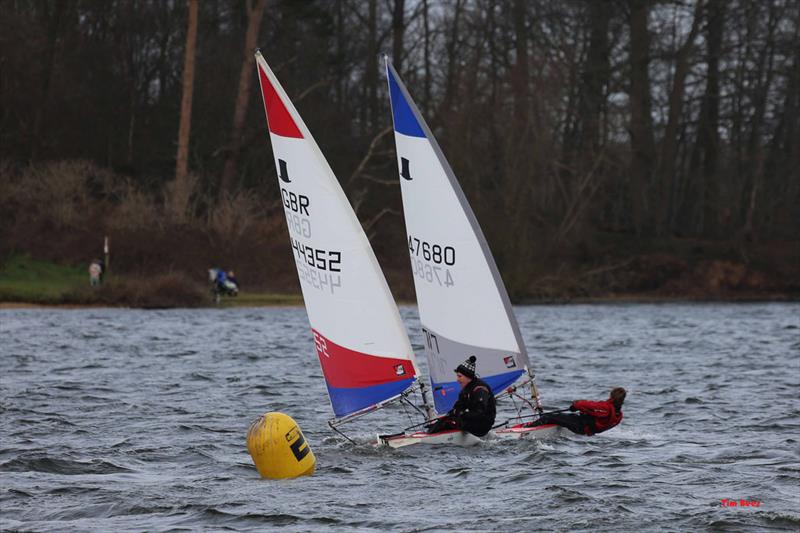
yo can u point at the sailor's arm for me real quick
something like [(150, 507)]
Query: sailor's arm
[(600, 409), (479, 404)]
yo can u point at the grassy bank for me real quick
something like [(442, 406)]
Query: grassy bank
[(650, 278), (259, 299), (24, 280)]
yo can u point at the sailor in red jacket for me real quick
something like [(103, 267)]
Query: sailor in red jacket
[(594, 417)]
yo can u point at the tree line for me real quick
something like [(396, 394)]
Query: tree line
[(564, 120)]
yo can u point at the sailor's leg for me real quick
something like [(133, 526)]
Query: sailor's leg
[(576, 423), (542, 420), (479, 428), (444, 424)]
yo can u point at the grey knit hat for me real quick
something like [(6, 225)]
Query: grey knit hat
[(467, 368)]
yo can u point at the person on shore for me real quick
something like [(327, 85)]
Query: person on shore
[(95, 273), (475, 410), (592, 417)]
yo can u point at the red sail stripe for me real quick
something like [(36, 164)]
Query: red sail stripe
[(346, 368), (278, 118)]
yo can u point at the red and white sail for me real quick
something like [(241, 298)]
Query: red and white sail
[(361, 341)]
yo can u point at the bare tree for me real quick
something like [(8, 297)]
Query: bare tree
[(583, 168), (426, 55), (703, 187), (781, 171), (398, 32), (669, 144), (371, 68), (181, 188), (53, 21), (255, 14), (641, 122), (754, 153)]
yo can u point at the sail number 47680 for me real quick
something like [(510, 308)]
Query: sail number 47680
[(430, 261), (432, 252)]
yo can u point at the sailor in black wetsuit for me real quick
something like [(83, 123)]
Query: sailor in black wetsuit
[(474, 411)]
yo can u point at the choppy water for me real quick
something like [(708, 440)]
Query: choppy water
[(127, 419)]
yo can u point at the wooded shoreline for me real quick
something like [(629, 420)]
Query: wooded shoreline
[(621, 300), (609, 149), (641, 279)]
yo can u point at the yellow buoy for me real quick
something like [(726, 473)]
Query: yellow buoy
[(278, 447)]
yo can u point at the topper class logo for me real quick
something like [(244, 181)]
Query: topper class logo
[(322, 346), (404, 172), (283, 174)]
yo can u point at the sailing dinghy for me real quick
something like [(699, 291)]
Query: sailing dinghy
[(463, 304), (360, 339)]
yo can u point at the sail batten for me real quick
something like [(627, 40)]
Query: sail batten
[(360, 339), (463, 303)]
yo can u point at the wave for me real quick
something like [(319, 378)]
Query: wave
[(67, 467)]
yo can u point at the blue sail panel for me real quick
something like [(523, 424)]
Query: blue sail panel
[(404, 120), (445, 394), (358, 380), (346, 401)]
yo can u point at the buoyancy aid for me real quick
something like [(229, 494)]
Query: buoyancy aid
[(605, 415), (475, 407)]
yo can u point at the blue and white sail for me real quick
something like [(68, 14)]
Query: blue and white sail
[(463, 304), (360, 339)]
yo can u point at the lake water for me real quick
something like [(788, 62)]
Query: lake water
[(136, 420)]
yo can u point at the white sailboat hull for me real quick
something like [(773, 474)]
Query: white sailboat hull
[(462, 438), (543, 432), (450, 438)]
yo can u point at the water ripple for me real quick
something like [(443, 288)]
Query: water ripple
[(136, 420)]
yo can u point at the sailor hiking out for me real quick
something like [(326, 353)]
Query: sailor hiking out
[(474, 411), (592, 417)]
